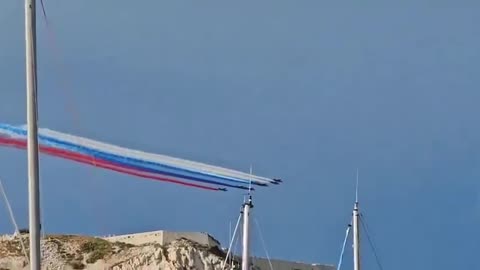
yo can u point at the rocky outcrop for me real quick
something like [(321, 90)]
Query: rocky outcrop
[(78, 252)]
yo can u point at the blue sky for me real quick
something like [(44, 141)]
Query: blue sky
[(303, 90)]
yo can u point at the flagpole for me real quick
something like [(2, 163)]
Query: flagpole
[(32, 139)]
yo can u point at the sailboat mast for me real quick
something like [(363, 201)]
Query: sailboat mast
[(356, 238), (246, 234), (32, 139), (356, 231)]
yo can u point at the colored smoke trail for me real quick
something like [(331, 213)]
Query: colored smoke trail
[(132, 162)]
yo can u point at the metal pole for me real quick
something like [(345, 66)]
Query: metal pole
[(246, 234), (356, 238), (32, 139), (230, 237)]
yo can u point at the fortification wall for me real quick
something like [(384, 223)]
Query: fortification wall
[(201, 238), (164, 237), (138, 238)]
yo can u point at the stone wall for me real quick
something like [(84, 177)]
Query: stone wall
[(164, 238)]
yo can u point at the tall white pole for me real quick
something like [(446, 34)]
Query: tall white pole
[(356, 238), (356, 231), (32, 139), (246, 234), (230, 237)]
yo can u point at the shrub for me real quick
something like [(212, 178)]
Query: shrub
[(97, 248)]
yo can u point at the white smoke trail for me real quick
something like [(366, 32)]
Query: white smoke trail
[(121, 151), (140, 155)]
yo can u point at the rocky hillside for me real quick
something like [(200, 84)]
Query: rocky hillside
[(78, 252)]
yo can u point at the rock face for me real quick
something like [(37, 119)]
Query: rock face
[(78, 252)]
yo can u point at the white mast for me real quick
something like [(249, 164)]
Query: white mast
[(246, 227), (356, 232), (246, 234), (32, 139)]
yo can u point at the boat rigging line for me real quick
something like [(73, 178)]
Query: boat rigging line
[(233, 239), (347, 232), (12, 217), (263, 243), (367, 233)]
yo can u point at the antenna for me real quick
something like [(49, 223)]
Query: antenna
[(356, 231), (250, 183), (356, 189)]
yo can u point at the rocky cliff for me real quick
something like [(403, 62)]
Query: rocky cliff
[(79, 252)]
